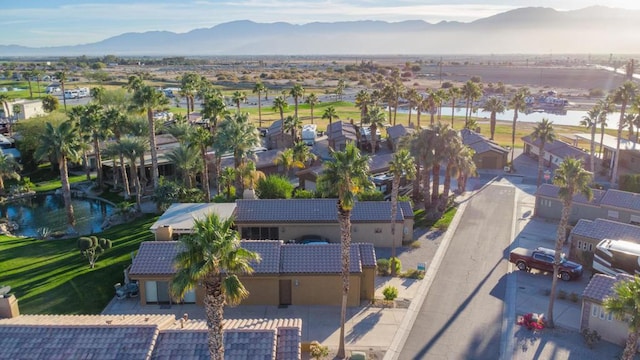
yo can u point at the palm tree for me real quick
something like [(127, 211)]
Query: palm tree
[(292, 124), (431, 104), (187, 161), (517, 103), (441, 138), (471, 92), (629, 122), (466, 168), (544, 132), (346, 175), (302, 152), (148, 99), (312, 100), (401, 165), (363, 100), (238, 97), (132, 147), (134, 83), (441, 97), (572, 179), (607, 106), (280, 105), (624, 95), (495, 106), (591, 121), (238, 135), (202, 139), (4, 100), (227, 177), (212, 256), (250, 177), (92, 125), (375, 119), (330, 113), (259, 88), (625, 307), (414, 98), (62, 78), (454, 93), (61, 143), (189, 84), (453, 151), (213, 109), (296, 92), (9, 168), (288, 160)]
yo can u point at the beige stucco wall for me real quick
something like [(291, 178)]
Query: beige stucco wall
[(613, 330), (322, 289), (263, 290), (368, 283), (378, 234)]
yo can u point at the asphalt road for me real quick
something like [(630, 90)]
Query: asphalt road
[(462, 314)]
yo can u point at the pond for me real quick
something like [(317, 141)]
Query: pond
[(48, 211)]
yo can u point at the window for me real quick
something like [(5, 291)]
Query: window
[(584, 245), (261, 233), (635, 219), (591, 247), (609, 316), (601, 313), (594, 310), (612, 214)]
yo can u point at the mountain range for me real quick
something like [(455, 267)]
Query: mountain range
[(531, 30)]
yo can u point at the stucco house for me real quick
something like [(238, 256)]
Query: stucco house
[(27, 109), (291, 219), (594, 316), (488, 154), (586, 234), (554, 152), (288, 274), (612, 204), (114, 337), (276, 139)]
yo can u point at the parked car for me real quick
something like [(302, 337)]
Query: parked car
[(313, 239), (543, 259)]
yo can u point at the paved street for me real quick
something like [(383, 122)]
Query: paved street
[(462, 314)]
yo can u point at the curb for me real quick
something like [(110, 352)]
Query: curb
[(410, 316)]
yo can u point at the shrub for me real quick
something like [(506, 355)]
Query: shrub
[(303, 194), (390, 292), (398, 264), (91, 248), (413, 274), (274, 187), (384, 267), (574, 297), (317, 351), (591, 337), (371, 196)]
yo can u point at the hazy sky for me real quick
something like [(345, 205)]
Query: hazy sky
[(41, 23)]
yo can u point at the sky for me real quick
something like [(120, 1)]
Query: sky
[(43, 23)]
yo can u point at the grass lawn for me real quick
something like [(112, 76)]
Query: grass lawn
[(54, 184), (51, 277)]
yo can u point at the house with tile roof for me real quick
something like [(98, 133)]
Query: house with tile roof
[(276, 138), (488, 154), (293, 219), (612, 204), (586, 234), (179, 217), (554, 152), (595, 317), (144, 337), (396, 133), (288, 274), (549, 206), (339, 133)]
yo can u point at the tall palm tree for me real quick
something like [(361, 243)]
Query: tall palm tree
[(376, 119), (288, 161), (238, 97), (441, 137), (148, 99), (280, 105), (453, 93), (544, 132), (202, 139), (312, 101), (572, 179), (591, 122), (466, 168), (363, 100), (189, 84), (62, 79), (227, 177), (132, 147), (92, 125), (259, 88), (629, 122), (9, 168), (292, 124), (214, 109), (75, 115), (238, 135), (471, 92), (398, 91), (441, 96), (401, 165), (250, 177), (607, 106), (517, 103), (187, 162), (624, 96), (212, 256), (61, 143), (330, 113), (413, 97), (453, 151), (624, 306), (347, 174), (4, 100), (296, 92), (494, 106), (302, 153), (431, 104)]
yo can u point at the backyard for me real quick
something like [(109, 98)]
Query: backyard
[(51, 277)]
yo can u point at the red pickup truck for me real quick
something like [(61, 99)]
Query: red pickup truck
[(542, 259)]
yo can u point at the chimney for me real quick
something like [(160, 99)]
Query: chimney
[(9, 306)]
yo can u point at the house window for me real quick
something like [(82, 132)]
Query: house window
[(591, 247), (635, 219), (261, 233), (609, 316), (594, 310), (601, 313), (612, 214), (378, 230)]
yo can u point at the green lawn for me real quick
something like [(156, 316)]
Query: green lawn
[(54, 184), (51, 277)]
